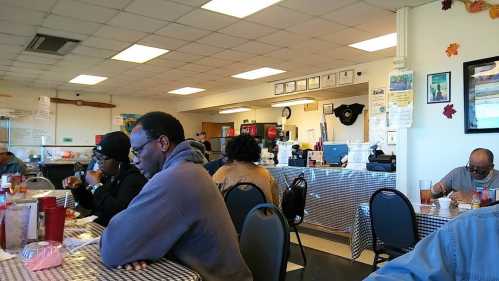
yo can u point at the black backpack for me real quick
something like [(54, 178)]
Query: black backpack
[(293, 200)]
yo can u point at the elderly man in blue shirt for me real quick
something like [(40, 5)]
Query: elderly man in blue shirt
[(467, 248)]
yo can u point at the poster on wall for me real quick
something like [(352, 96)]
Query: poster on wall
[(378, 101), (129, 121), (400, 99), (438, 87), (43, 110)]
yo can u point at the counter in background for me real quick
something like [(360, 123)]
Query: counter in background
[(334, 194)]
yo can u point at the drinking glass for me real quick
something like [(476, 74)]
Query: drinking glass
[(425, 191)]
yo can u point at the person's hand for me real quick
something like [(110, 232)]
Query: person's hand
[(71, 182), (138, 265), (461, 197), (93, 177), (439, 188)]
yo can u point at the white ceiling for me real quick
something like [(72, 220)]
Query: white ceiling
[(300, 36)]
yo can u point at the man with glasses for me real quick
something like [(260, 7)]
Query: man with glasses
[(478, 174), (179, 213), (106, 198)]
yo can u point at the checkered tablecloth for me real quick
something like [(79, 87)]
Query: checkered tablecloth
[(60, 196), (428, 219), (86, 264)]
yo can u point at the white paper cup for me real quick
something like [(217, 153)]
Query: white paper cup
[(444, 202)]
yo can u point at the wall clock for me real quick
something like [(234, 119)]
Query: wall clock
[(286, 112)]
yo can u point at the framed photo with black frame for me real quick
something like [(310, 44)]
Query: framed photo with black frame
[(481, 95), (438, 87)]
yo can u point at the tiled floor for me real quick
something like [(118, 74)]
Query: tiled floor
[(327, 260)]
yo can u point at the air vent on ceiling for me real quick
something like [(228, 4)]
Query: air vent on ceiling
[(53, 45)]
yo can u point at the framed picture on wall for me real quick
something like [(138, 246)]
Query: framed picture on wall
[(327, 108), (301, 85), (481, 91), (279, 89), (314, 82), (438, 87), (290, 87)]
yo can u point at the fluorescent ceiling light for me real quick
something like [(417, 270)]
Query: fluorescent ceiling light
[(258, 73), (378, 43), (186, 91), (87, 79), (139, 53), (238, 8), (234, 110), (293, 102)]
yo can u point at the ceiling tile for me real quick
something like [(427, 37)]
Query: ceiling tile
[(61, 33), (233, 55), (380, 26), (199, 49), (21, 15), (160, 9), (316, 27), (168, 63), (205, 19), (116, 4), (102, 43), (181, 31), (356, 14), (40, 5), (162, 42), (32, 66), (111, 67), (195, 67), (213, 61), (222, 40), (394, 5), (136, 22), (193, 3), (71, 25), (83, 11), (14, 40), (247, 30), (120, 34), (277, 16), (316, 7), (283, 38), (71, 60), (262, 60), (16, 28), (347, 36), (180, 56), (348, 53), (255, 47), (93, 52), (36, 58), (314, 45), (9, 50)]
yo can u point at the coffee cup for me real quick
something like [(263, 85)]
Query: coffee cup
[(444, 202)]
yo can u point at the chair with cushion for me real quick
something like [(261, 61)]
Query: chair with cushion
[(393, 223), (39, 183), (240, 199), (265, 243), (293, 207)]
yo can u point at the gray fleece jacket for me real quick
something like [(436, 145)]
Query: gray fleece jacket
[(179, 213)]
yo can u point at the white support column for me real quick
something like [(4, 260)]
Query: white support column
[(400, 62)]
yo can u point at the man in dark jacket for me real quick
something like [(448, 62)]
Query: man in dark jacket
[(179, 212), (124, 181)]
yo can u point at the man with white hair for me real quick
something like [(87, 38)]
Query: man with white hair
[(9, 163)]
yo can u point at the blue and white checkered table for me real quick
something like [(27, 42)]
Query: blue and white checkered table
[(428, 219), (85, 264)]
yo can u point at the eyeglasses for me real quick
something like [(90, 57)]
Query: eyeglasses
[(477, 170), (101, 157), (137, 150)]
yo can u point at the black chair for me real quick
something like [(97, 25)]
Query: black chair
[(240, 199), (265, 243), (393, 222), (493, 203), (293, 207)]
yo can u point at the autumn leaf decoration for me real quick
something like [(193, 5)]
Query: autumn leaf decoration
[(452, 50), (474, 6), (449, 111)]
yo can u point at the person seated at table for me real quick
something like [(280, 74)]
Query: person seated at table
[(465, 248), (124, 181), (9, 163), (478, 173), (179, 213), (242, 151)]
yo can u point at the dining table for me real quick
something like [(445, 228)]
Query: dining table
[(428, 219), (85, 264)]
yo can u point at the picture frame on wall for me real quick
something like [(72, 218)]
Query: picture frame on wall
[(314, 82), (279, 89), (345, 77), (290, 87), (481, 86), (438, 87), (301, 85), (327, 108)]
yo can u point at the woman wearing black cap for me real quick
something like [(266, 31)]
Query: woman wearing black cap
[(124, 181)]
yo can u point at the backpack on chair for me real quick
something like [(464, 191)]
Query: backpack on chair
[(293, 200)]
